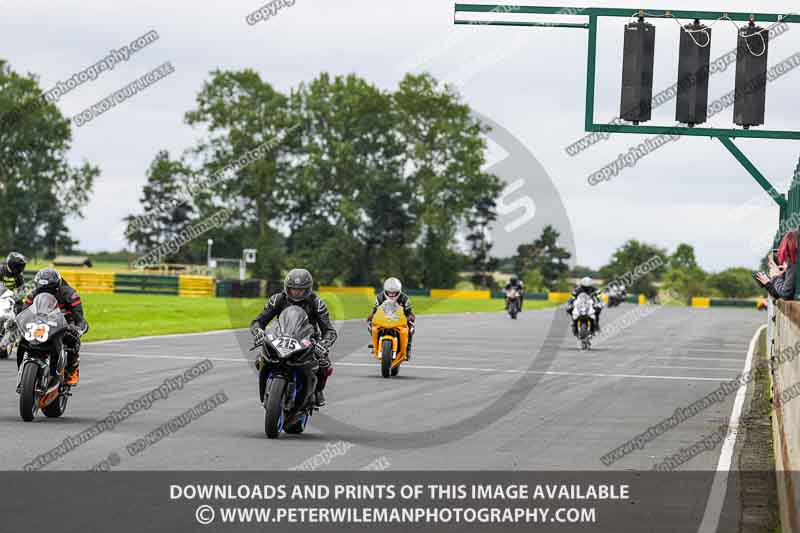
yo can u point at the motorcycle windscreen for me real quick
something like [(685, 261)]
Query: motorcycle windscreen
[(44, 304), (584, 303), (292, 332), (392, 310)]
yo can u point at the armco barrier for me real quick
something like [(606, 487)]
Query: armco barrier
[(366, 291), (462, 295), (253, 288), (146, 284), (733, 302), (559, 297), (786, 419), (723, 302), (196, 286), (89, 282)]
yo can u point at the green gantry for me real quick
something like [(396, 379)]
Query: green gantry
[(725, 135)]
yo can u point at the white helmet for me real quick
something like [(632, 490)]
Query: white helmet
[(587, 282), (392, 288)]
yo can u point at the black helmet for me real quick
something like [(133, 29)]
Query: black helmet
[(514, 279), (47, 280), (16, 263), (298, 284)]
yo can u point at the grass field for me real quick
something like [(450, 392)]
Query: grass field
[(96, 266), (119, 316)]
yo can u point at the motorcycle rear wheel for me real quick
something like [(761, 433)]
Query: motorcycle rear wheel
[(273, 408), (28, 399)]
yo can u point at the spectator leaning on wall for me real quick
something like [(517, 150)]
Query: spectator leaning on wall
[(780, 283)]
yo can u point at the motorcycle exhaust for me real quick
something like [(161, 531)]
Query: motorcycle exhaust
[(49, 396)]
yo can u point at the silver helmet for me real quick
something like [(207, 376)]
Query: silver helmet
[(392, 288)]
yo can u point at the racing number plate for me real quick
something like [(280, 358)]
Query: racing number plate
[(287, 343), (37, 332)]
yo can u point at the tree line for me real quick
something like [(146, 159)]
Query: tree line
[(352, 181), (364, 183)]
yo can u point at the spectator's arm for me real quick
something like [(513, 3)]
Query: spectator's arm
[(783, 286)]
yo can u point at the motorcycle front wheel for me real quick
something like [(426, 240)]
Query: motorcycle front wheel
[(386, 358), (273, 407), (28, 398)]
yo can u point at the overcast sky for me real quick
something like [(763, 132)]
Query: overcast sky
[(531, 81)]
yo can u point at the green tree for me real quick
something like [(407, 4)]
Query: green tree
[(166, 211), (443, 154), (684, 276), (243, 114), (534, 281), (478, 221), (683, 257), (629, 260), (39, 188), (734, 283), (546, 256)]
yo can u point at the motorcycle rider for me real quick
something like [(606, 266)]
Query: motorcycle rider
[(516, 283), (11, 271), (69, 302), (393, 291), (297, 290), (586, 286)]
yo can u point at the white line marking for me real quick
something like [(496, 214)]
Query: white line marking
[(730, 359), (696, 368), (159, 337), (719, 350), (425, 367), (720, 486)]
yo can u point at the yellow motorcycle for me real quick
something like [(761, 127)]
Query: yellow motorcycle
[(389, 329)]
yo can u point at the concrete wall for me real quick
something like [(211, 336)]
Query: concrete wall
[(786, 417)]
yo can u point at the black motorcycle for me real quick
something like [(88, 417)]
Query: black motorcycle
[(288, 373), (616, 296), (40, 382)]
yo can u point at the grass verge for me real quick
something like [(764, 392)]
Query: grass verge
[(757, 481), (120, 316)]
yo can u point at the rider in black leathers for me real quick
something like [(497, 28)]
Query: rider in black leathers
[(297, 291), (516, 283), (11, 271)]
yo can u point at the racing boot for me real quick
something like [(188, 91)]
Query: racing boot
[(71, 372), (319, 395)]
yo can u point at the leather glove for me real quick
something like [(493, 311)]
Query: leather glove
[(321, 350), (323, 354), (258, 334)]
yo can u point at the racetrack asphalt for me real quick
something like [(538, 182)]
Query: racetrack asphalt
[(559, 409)]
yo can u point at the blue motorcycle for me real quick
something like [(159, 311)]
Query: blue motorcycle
[(288, 373)]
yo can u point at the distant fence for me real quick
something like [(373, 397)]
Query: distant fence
[(91, 282), (556, 297), (704, 302)]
